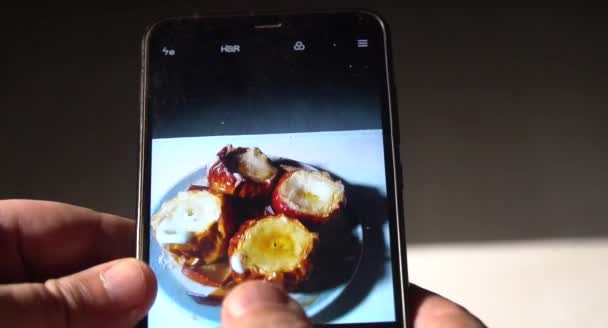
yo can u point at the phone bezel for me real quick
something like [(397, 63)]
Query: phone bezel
[(392, 159)]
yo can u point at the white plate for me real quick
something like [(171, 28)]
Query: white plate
[(335, 271)]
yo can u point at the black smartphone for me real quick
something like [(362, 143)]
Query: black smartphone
[(269, 151)]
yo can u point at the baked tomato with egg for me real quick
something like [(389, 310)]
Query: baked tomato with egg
[(308, 195), (275, 248), (242, 172), (195, 226)]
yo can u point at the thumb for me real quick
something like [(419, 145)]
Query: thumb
[(114, 294), (260, 304)]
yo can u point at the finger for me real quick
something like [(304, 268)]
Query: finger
[(429, 310), (42, 239), (114, 294), (259, 304)]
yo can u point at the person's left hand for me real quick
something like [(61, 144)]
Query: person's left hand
[(43, 247)]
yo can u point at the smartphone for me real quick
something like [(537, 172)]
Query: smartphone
[(269, 150)]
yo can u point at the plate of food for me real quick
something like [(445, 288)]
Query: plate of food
[(251, 216)]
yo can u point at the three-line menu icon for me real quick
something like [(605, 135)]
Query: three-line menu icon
[(362, 43)]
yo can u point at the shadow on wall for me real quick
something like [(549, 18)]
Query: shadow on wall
[(502, 115), (503, 120)]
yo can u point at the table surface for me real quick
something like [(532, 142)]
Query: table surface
[(558, 283)]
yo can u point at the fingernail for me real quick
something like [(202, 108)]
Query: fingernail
[(254, 295), (125, 283)]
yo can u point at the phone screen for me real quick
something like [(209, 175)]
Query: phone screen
[(269, 153)]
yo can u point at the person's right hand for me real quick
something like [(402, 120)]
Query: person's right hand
[(259, 304), (429, 310)]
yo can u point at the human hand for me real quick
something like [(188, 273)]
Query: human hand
[(259, 304), (429, 310), (45, 245)]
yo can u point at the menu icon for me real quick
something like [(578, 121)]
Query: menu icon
[(362, 43)]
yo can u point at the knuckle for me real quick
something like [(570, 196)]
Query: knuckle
[(60, 301)]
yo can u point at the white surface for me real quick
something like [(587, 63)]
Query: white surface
[(552, 284), (356, 156), (347, 153)]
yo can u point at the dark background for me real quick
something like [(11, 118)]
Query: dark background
[(502, 112), (267, 87)]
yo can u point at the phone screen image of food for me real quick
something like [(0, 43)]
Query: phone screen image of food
[(283, 211), (271, 167)]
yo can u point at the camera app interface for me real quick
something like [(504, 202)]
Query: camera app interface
[(268, 161)]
